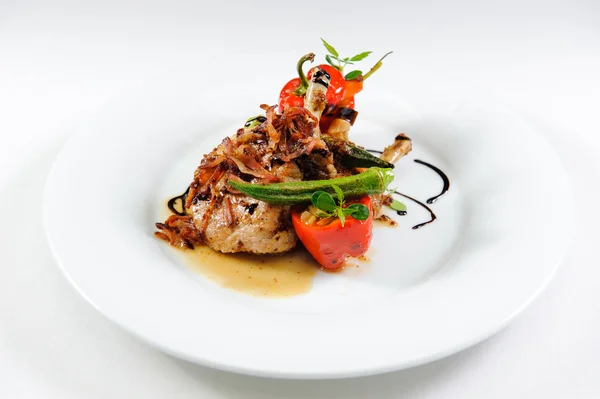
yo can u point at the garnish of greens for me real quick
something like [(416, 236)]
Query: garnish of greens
[(335, 60), (327, 206)]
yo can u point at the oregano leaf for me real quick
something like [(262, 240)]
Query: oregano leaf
[(353, 75), (361, 56), (330, 48), (339, 193), (359, 211)]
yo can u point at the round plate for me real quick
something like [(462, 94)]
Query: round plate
[(501, 232)]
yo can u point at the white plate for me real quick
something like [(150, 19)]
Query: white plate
[(502, 230)]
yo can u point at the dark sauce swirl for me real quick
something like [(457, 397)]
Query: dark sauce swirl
[(402, 213), (178, 201), (444, 179), (430, 200)]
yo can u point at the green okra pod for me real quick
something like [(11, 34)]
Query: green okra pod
[(371, 181)]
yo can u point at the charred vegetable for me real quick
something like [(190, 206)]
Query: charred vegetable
[(352, 156)]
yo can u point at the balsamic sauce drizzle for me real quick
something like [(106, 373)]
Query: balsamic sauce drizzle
[(444, 179), (430, 200), (418, 226), (173, 201)]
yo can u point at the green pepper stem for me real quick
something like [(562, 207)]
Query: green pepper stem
[(376, 66), (301, 90)]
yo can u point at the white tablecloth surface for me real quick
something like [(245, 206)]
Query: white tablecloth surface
[(61, 61)]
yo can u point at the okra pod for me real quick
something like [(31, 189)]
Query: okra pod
[(371, 181)]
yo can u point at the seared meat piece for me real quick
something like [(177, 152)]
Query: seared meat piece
[(238, 223)]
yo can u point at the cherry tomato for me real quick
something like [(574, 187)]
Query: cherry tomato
[(287, 98)]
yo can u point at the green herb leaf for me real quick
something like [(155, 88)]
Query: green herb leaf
[(359, 211), (329, 60), (348, 211), (340, 213), (330, 48), (323, 201), (339, 193), (398, 206), (353, 75), (361, 56), (315, 196)]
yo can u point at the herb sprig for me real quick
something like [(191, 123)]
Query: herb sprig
[(342, 62), (327, 206), (334, 55)]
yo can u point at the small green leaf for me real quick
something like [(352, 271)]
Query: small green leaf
[(353, 75), (361, 56), (315, 196), (329, 60), (339, 193), (325, 202), (341, 215), (330, 48), (348, 211), (345, 59), (359, 211), (398, 206)]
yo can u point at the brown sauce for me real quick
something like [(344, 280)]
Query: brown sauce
[(279, 275)]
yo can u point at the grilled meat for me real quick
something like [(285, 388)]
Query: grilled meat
[(238, 223)]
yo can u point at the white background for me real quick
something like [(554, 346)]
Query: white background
[(60, 62)]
